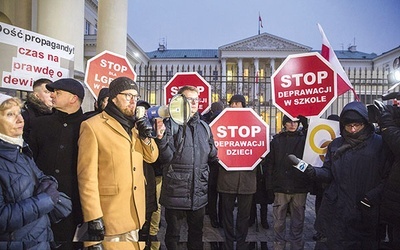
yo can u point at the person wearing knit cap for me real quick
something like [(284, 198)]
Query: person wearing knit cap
[(289, 187), (112, 148), (99, 104), (236, 185), (356, 167), (54, 142), (237, 101), (27, 194)]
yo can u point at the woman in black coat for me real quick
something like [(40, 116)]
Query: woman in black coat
[(26, 194), (356, 166)]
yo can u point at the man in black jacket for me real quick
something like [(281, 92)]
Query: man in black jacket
[(389, 123), (290, 187), (54, 142), (236, 188), (38, 103), (185, 156)]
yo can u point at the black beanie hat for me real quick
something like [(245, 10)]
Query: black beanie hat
[(120, 84), (238, 98), (286, 119), (102, 94), (352, 116)]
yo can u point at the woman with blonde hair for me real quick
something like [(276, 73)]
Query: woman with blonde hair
[(26, 195)]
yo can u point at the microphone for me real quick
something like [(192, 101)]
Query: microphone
[(293, 159), (140, 112), (298, 163)]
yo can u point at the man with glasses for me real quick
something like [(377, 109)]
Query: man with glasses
[(185, 155), (112, 148), (53, 140)]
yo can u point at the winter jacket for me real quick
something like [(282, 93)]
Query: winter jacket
[(391, 195), (282, 177), (24, 223), (237, 182), (356, 173), (54, 142), (185, 164), (32, 109)]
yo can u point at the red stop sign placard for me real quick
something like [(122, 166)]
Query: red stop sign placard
[(181, 79), (241, 137), (304, 84), (105, 67)]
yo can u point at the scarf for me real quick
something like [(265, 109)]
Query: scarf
[(12, 140), (127, 122), (353, 140)]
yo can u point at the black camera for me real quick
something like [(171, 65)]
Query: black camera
[(374, 111)]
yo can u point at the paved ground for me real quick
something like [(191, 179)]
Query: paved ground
[(256, 233)]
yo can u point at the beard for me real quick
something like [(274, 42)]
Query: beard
[(128, 111)]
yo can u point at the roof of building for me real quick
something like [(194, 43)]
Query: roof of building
[(261, 42), (213, 53), (183, 53)]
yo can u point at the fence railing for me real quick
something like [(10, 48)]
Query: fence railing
[(368, 84)]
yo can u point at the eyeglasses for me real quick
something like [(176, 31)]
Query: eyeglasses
[(190, 99), (354, 125), (129, 97)]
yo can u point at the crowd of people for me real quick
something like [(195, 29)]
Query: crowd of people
[(98, 180)]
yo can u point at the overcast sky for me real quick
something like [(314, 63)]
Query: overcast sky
[(373, 25)]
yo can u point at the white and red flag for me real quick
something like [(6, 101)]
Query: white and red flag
[(343, 82)]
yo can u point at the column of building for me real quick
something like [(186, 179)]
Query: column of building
[(64, 20), (112, 26)]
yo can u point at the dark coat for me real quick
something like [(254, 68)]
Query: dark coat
[(185, 173), (54, 142), (24, 223), (32, 109), (391, 195), (237, 182), (356, 173), (282, 177)]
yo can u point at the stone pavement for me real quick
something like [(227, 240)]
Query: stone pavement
[(256, 233)]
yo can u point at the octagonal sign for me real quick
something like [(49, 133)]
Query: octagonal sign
[(242, 138), (181, 79), (105, 67), (305, 84)]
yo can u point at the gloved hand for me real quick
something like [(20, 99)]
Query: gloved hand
[(385, 114), (270, 196), (52, 191), (98, 246), (302, 166), (44, 185), (303, 121), (96, 230), (144, 127)]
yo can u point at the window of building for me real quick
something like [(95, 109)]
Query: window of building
[(87, 27)]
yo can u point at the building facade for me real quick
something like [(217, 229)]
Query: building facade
[(243, 66)]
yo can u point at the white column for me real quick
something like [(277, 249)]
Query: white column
[(272, 65), (64, 20), (240, 76), (256, 71), (223, 75), (112, 26)]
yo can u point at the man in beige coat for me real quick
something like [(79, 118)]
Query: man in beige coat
[(112, 148)]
